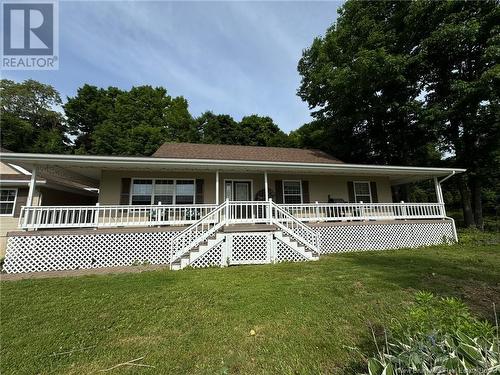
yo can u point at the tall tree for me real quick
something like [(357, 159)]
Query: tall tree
[(255, 130), (29, 121), (360, 81), (218, 129), (408, 82), (457, 50), (135, 122), (89, 108)]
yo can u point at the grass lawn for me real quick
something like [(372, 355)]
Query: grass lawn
[(307, 317)]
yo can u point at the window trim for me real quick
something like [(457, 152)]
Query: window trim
[(369, 190), (174, 197), (292, 195), (15, 201)]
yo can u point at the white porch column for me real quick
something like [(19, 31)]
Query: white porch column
[(439, 191), (439, 195), (266, 186), (29, 201), (217, 187)]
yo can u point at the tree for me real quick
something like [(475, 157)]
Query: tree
[(136, 122), (90, 107), (253, 130), (218, 129), (408, 83), (361, 83), (29, 122), (457, 52)]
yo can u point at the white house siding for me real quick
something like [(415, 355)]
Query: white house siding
[(320, 186)]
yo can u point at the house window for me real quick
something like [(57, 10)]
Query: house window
[(7, 201), (292, 192), (166, 191), (142, 192), (362, 192), (184, 192)]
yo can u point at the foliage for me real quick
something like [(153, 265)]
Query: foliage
[(136, 122), (409, 83), (444, 354), (360, 81), (252, 130), (438, 336), (29, 121), (430, 315)]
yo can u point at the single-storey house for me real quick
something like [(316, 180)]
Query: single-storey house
[(202, 205)]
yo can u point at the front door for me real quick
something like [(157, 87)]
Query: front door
[(240, 191)]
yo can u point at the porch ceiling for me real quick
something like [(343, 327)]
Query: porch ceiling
[(86, 170)]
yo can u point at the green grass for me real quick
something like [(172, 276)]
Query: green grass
[(307, 317)]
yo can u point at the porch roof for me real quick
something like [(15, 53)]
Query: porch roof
[(86, 169)]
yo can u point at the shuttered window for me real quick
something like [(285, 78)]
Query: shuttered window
[(166, 191), (292, 192), (362, 192)]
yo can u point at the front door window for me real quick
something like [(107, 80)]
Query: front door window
[(241, 190), (238, 190)]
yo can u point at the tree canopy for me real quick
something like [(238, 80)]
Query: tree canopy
[(136, 122), (28, 120), (409, 83), (112, 121)]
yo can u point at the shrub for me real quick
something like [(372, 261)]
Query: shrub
[(438, 336)]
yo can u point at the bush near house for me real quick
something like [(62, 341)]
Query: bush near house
[(306, 318)]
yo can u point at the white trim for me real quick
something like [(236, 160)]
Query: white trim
[(15, 201), (238, 180), (217, 187), (20, 169), (21, 182), (153, 185), (369, 189), (283, 189), (32, 188), (98, 161), (266, 186)]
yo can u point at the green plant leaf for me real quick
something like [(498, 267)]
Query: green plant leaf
[(375, 367)]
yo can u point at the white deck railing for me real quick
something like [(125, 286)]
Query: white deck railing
[(365, 211), (110, 216), (106, 216)]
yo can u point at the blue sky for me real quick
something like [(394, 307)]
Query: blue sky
[(238, 58)]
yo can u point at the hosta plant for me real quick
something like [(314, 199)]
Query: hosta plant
[(439, 336)]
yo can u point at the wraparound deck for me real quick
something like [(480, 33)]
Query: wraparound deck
[(252, 212)]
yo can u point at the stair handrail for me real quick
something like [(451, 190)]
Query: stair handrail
[(218, 223), (313, 246)]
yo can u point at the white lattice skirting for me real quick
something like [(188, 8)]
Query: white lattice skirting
[(43, 252), (375, 236), (52, 252)]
